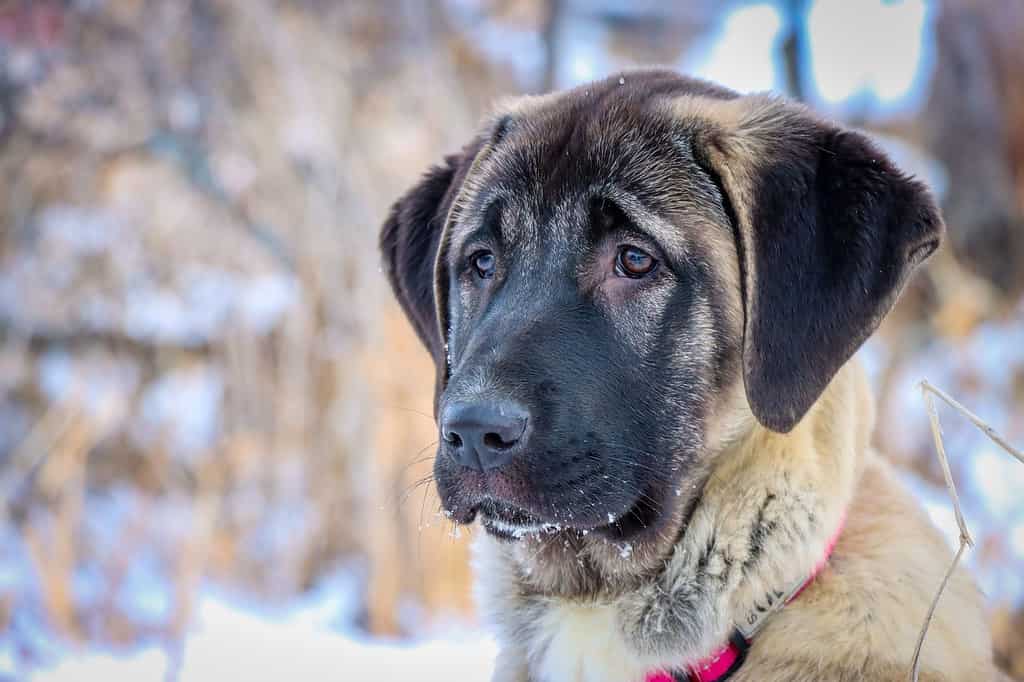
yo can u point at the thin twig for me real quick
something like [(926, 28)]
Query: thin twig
[(940, 447), (976, 420), (965, 536), (931, 609)]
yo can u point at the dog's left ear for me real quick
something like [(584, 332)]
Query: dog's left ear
[(828, 231)]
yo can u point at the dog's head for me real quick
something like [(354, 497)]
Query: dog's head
[(601, 273)]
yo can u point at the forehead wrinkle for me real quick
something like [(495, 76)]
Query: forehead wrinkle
[(516, 164), (703, 193), (516, 227), (562, 220), (469, 222), (488, 185), (677, 192), (535, 211), (648, 221), (550, 160)]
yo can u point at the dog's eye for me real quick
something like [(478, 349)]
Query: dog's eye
[(633, 262), (483, 263)]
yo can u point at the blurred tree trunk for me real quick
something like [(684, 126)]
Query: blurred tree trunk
[(794, 49), (973, 124), (555, 10)]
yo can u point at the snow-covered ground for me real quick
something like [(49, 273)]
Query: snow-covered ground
[(235, 639), (232, 637)]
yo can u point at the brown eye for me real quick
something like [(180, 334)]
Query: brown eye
[(634, 263), (483, 263)]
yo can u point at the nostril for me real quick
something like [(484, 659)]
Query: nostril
[(494, 440), (483, 435)]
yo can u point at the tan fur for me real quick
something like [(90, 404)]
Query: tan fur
[(739, 135), (858, 621), (755, 513)]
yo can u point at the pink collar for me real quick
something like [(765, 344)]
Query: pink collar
[(723, 663)]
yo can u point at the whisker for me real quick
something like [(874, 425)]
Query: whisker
[(408, 492), (399, 408), (416, 457)]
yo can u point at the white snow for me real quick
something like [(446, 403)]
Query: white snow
[(999, 480), (234, 640), (148, 664), (82, 269), (183, 407), (1000, 579), (892, 74), (1017, 539), (97, 382), (744, 53), (203, 302)]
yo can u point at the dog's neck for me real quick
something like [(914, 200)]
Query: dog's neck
[(758, 519)]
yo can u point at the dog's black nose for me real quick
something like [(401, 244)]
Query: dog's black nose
[(484, 436)]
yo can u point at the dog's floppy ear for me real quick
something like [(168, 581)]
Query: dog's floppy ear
[(408, 244), (827, 232)]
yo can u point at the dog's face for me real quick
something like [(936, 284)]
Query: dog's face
[(601, 272), (582, 297)]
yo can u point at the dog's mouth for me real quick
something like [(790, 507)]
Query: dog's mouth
[(516, 531), (509, 522)]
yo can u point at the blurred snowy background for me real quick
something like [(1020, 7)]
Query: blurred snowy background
[(212, 414)]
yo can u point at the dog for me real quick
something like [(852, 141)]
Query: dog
[(642, 297)]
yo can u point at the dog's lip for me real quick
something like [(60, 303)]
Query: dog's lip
[(507, 520), (508, 514), (517, 531), (464, 515), (512, 523)]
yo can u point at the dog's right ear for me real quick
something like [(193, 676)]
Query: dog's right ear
[(414, 231), (408, 243)]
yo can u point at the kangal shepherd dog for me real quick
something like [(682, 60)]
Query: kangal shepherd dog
[(642, 296)]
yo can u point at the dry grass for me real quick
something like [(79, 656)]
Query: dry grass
[(246, 142), (927, 391), (166, 157)]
